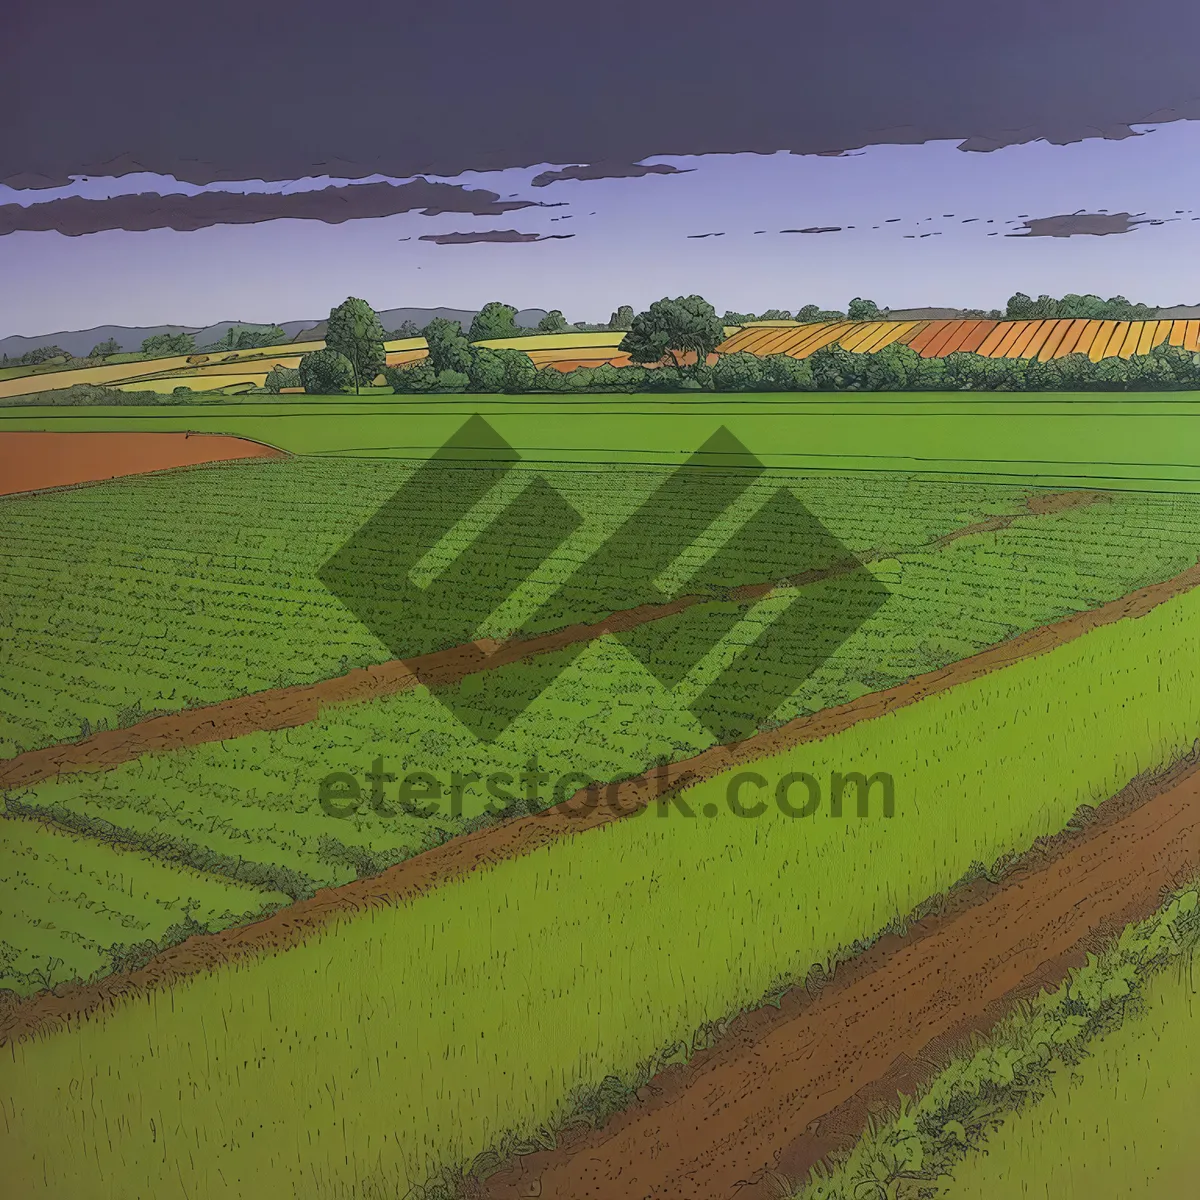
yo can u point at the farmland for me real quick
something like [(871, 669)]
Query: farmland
[(134, 599), (1120, 1123), (1123, 440), (1039, 339), (220, 566), (600, 712), (360, 999), (73, 900)]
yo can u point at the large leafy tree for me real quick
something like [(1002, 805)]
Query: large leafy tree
[(326, 373), (553, 322), (671, 329), (494, 320), (622, 319), (448, 349), (354, 332), (863, 310)]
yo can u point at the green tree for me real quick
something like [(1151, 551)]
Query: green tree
[(414, 378), (494, 320), (486, 372), (670, 329), (863, 310), (104, 349), (553, 322), (622, 319), (737, 318), (279, 378), (355, 333), (453, 381), (813, 312), (159, 345), (326, 373), (406, 329), (448, 349), (776, 314)]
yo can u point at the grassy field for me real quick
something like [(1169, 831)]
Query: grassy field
[(1127, 440), (600, 711), (1121, 1124), (68, 904), (339, 1068), (1090, 1087), (161, 593)]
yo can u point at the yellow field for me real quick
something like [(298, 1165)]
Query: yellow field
[(573, 341), (199, 382)]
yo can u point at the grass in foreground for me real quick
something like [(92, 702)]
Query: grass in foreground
[(1091, 1089), (72, 907), (1121, 1124), (400, 1042)]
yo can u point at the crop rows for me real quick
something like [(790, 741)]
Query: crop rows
[(160, 593), (625, 941), (72, 907), (1041, 339), (601, 710)]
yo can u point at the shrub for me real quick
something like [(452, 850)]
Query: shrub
[(326, 373), (279, 378)]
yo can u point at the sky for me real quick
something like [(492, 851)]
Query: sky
[(178, 170)]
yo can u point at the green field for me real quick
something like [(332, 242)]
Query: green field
[(598, 709), (68, 903), (1090, 1087), (1145, 439), (159, 593), (1121, 1124), (340, 1068)]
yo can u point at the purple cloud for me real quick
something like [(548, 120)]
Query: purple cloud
[(74, 216)]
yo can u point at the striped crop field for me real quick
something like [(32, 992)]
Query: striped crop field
[(1039, 339), (336, 1053)]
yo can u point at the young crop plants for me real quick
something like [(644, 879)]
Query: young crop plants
[(713, 913), (74, 907), (1035, 1104), (156, 594)]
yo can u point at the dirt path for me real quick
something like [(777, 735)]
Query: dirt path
[(585, 810), (289, 707), (787, 1086), (35, 461)]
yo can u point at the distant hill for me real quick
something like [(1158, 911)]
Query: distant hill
[(79, 341)]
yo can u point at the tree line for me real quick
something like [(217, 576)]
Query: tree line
[(669, 344)]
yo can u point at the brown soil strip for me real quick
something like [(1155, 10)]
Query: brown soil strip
[(584, 811), (789, 1085), (289, 707), (34, 461)]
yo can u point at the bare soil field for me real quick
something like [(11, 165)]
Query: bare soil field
[(34, 461)]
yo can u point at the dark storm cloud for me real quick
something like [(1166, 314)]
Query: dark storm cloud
[(607, 171), (407, 89), (74, 216), (1074, 224), (491, 235)]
